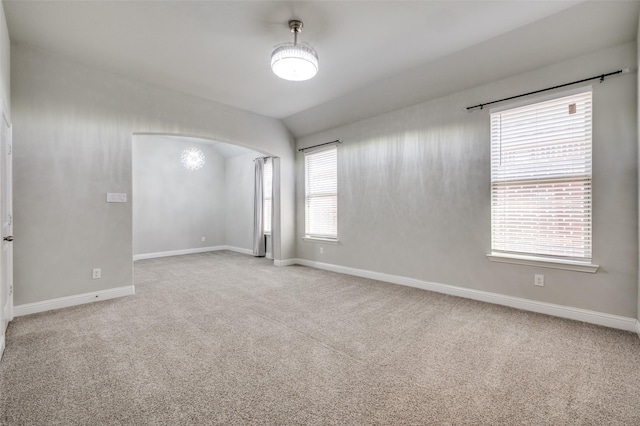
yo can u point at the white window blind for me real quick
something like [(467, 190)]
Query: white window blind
[(267, 194), (541, 178), (321, 193)]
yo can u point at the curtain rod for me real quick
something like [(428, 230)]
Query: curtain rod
[(321, 144), (601, 77)]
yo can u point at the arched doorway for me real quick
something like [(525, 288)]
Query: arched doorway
[(193, 194)]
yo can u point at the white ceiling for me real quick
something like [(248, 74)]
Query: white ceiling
[(220, 50)]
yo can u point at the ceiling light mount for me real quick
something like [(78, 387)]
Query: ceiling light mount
[(296, 28), (295, 61)]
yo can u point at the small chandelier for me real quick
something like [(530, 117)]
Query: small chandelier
[(293, 61), (192, 158)]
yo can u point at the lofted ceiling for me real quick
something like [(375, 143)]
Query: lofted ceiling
[(368, 50)]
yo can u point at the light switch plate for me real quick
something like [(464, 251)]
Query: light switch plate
[(116, 197)]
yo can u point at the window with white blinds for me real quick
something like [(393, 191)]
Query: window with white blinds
[(541, 178), (267, 194), (321, 193)]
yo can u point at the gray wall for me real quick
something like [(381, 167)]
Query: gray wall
[(5, 71), (239, 201), (173, 207), (72, 133), (414, 188)]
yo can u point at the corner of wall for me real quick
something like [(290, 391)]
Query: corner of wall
[(5, 61)]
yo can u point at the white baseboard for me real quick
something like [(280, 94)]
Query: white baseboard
[(76, 299), (584, 315), (288, 262), (238, 249), (1, 347), (190, 251), (176, 252)]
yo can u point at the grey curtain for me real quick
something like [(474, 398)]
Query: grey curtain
[(258, 213)]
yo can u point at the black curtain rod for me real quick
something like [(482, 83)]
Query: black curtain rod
[(322, 144), (601, 77)]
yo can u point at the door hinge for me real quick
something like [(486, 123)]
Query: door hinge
[(10, 290), (10, 220), (10, 150)]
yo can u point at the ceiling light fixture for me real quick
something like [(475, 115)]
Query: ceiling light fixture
[(294, 61), (192, 158)]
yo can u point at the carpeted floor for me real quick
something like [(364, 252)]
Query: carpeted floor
[(224, 338)]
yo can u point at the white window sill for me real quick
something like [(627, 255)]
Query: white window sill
[(321, 240), (569, 265)]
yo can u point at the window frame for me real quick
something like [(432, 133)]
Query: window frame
[(325, 238), (267, 197), (536, 259)]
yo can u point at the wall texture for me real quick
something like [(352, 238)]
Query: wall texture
[(239, 207), (174, 207), (5, 67), (414, 188), (72, 132)]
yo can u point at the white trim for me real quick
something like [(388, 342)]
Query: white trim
[(568, 265), (638, 327), (76, 299), (310, 239), (578, 314), (287, 262), (268, 255), (190, 251), (238, 250), (1, 347), (176, 252)]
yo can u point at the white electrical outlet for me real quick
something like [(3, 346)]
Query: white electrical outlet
[(321, 250), (538, 279), (97, 273), (203, 238)]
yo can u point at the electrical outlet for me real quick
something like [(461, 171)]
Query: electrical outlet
[(321, 250), (203, 238), (538, 279), (97, 273)]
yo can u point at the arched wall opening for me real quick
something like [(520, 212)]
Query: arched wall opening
[(192, 195), (72, 130)]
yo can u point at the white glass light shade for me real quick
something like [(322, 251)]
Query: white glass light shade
[(294, 62)]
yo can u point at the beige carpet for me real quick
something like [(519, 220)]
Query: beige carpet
[(224, 338)]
